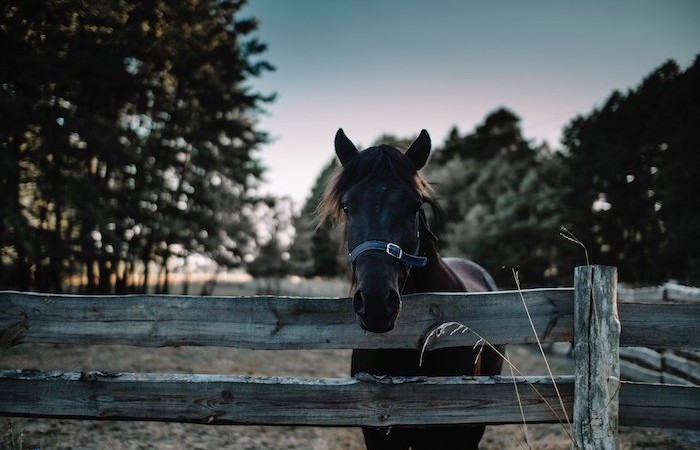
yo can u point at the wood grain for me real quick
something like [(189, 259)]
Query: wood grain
[(278, 322), (596, 357), (221, 399)]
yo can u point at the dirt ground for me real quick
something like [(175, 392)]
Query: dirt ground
[(17, 433)]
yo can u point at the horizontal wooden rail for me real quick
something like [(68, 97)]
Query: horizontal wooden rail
[(660, 366), (222, 399), (670, 292), (321, 323), (318, 323), (277, 322), (660, 325), (371, 401), (660, 405)]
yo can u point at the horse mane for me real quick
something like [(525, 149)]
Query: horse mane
[(368, 165)]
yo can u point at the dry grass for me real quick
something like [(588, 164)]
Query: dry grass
[(481, 342)]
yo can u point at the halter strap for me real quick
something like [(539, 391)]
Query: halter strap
[(391, 249)]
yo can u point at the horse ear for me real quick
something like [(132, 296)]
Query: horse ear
[(419, 151), (344, 147)]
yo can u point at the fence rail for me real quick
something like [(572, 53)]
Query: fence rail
[(364, 400), (285, 323), (660, 364), (587, 315), (221, 399), (276, 323), (671, 292)]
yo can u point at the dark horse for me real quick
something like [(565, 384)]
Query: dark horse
[(392, 251)]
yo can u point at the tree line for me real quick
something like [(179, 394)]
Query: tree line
[(128, 138), (621, 190)]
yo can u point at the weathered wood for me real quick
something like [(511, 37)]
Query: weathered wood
[(669, 378), (596, 346), (660, 405), (651, 366), (678, 292), (642, 355), (660, 325), (670, 366), (302, 323), (222, 399), (691, 355), (640, 364), (630, 371), (278, 322), (654, 294), (287, 323), (671, 292), (684, 368)]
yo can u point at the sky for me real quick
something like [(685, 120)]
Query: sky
[(377, 67)]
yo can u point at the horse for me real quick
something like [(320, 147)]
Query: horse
[(379, 195)]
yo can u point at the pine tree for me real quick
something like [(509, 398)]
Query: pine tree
[(130, 135)]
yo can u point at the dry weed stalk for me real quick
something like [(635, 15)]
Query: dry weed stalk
[(569, 236), (451, 328), (539, 345), (520, 406), (457, 327)]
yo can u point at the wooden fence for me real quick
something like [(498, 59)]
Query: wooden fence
[(588, 314), (660, 365)]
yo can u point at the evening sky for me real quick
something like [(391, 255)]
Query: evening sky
[(390, 66)]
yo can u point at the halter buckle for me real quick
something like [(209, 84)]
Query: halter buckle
[(394, 250)]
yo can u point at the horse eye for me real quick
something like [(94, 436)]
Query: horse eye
[(345, 208)]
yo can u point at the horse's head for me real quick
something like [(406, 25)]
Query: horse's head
[(379, 193)]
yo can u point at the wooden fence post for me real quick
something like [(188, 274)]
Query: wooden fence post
[(596, 354)]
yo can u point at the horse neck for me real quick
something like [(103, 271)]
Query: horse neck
[(436, 276)]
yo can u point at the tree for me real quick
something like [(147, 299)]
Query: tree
[(318, 249), (271, 261), (635, 167), (501, 201), (129, 138)]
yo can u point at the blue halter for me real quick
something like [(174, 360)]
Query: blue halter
[(395, 250), (391, 249)]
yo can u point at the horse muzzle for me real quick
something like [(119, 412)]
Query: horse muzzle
[(377, 311)]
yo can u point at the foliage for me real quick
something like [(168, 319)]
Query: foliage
[(318, 249), (634, 171), (271, 261), (501, 202), (127, 139)]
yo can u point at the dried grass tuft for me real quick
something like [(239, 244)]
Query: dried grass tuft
[(451, 328)]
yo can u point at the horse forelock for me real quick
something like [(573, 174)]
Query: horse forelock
[(374, 163)]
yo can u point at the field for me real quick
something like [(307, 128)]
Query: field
[(64, 434)]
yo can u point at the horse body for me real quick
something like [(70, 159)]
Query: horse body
[(382, 197)]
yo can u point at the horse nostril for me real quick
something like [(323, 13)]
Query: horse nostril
[(393, 305), (358, 304)]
